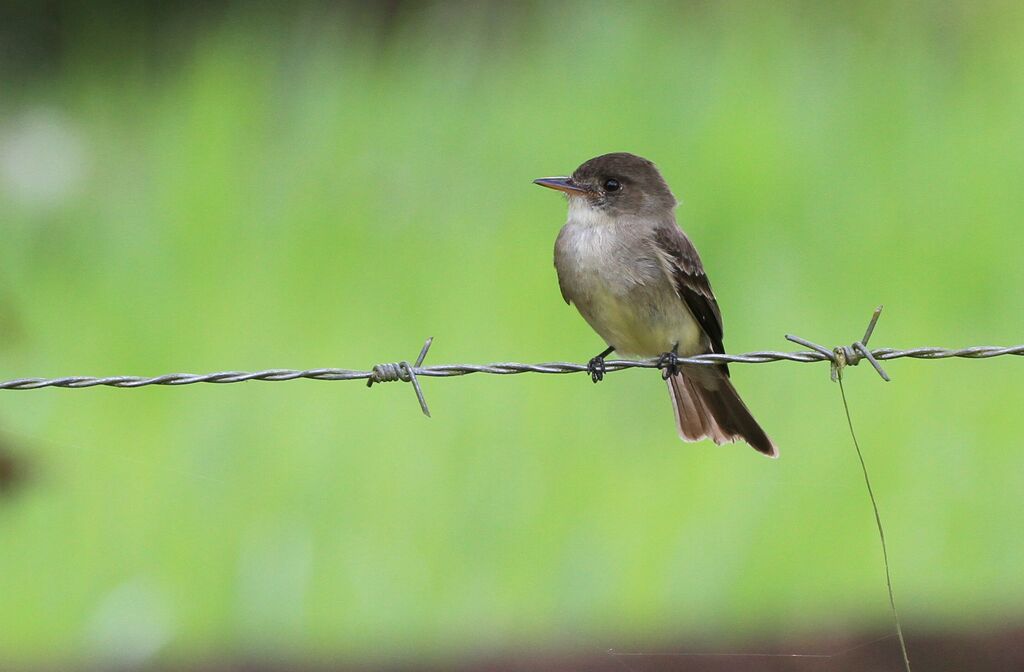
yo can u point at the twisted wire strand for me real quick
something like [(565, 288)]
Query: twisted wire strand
[(839, 357), (497, 368)]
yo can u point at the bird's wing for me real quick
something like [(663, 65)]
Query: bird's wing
[(565, 292), (683, 264), (559, 252)]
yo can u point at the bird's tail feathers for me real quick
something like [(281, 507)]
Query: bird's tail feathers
[(707, 405)]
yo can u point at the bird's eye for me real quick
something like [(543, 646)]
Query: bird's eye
[(611, 185)]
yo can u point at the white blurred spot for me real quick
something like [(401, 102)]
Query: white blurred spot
[(132, 624), (42, 157)]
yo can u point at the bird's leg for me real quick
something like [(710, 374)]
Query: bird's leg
[(669, 362), (595, 367)]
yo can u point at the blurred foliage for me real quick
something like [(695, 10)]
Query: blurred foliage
[(288, 188)]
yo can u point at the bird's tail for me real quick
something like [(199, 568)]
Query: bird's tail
[(707, 405)]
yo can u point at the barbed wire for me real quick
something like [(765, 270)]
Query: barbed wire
[(839, 357)]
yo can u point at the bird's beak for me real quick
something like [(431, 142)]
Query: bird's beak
[(561, 184)]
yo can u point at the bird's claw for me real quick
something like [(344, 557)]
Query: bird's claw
[(596, 369), (669, 364)]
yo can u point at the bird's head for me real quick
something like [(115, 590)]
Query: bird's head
[(615, 184)]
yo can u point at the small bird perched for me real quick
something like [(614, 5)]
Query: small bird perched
[(639, 282)]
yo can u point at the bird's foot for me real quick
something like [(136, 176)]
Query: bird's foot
[(596, 368), (669, 364)]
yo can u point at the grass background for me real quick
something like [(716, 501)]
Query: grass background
[(289, 188)]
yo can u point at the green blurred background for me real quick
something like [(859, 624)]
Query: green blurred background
[(250, 186)]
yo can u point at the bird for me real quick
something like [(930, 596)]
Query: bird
[(638, 281)]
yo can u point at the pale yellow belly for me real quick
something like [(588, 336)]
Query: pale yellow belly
[(644, 325), (622, 290)]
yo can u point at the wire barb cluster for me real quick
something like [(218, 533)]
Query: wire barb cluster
[(839, 357), (847, 355), (387, 373)]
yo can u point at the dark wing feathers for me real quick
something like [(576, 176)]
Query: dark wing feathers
[(564, 290), (691, 282)]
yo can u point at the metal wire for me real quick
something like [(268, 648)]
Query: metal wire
[(497, 368), (839, 357)]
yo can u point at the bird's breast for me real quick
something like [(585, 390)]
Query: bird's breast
[(597, 255), (620, 289), (589, 249)]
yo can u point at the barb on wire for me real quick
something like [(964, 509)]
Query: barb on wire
[(839, 357), (847, 355), (386, 373)]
